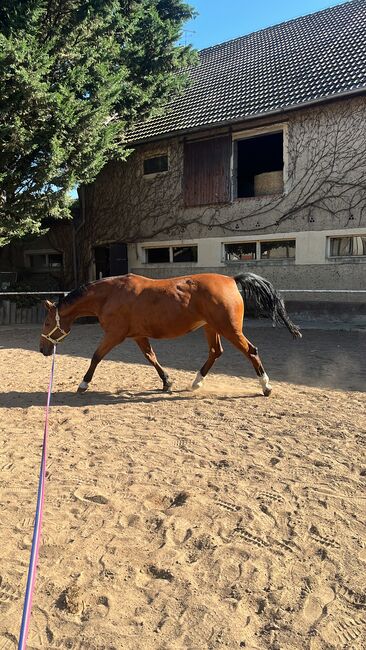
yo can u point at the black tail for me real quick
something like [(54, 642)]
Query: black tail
[(268, 302)]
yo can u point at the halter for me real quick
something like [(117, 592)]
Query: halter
[(57, 327)]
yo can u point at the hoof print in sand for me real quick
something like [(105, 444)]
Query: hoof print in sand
[(88, 497), (8, 593), (70, 600), (160, 574)]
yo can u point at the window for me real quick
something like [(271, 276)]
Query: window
[(156, 164), (185, 254), (157, 255), (258, 165), (277, 250), (280, 249), (171, 254), (347, 246), (54, 261), (44, 261), (241, 252)]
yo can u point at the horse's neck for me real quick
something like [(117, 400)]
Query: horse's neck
[(84, 305)]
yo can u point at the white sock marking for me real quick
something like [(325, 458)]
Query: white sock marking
[(198, 381), (264, 382)]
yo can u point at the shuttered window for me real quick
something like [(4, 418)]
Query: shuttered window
[(207, 171)]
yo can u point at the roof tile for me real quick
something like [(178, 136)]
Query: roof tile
[(306, 59)]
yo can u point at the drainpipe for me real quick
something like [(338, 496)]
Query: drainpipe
[(74, 259), (75, 230)]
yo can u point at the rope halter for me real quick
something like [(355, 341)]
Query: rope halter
[(48, 336)]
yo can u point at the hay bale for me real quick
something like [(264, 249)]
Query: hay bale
[(268, 183)]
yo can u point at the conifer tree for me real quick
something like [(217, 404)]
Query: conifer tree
[(75, 75)]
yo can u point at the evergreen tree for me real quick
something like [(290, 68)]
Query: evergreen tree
[(75, 75)]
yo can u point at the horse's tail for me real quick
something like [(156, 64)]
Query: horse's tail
[(268, 301)]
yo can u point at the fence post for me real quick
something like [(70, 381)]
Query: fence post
[(6, 312), (13, 309)]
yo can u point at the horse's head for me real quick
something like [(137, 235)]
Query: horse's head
[(54, 330)]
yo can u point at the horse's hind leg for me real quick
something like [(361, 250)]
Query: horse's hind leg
[(108, 342), (251, 352), (215, 350), (149, 354)]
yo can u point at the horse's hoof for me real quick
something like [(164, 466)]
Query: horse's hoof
[(267, 391), (167, 388), (83, 387), (198, 382)]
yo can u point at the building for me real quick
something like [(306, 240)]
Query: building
[(260, 164)]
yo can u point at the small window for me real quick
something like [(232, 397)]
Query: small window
[(157, 255), (44, 261), (278, 250), (242, 252), (185, 254), (55, 261), (258, 162), (156, 165), (347, 246), (171, 254), (38, 261)]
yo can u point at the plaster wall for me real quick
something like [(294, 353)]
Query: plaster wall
[(325, 194)]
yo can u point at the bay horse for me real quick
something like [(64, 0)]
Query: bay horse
[(132, 306)]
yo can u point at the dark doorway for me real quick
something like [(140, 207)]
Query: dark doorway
[(110, 260)]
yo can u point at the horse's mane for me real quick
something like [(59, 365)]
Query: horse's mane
[(74, 295)]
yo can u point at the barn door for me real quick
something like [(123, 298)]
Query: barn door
[(118, 259), (207, 171), (101, 257), (110, 260)]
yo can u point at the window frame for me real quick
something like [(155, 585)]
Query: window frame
[(171, 254), (157, 154), (361, 256), (47, 252), (258, 258), (253, 133), (269, 241)]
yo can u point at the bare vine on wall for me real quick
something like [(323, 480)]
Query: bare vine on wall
[(325, 187)]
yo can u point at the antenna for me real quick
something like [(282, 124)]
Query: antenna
[(187, 31)]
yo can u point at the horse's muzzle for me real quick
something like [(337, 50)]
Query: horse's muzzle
[(46, 349)]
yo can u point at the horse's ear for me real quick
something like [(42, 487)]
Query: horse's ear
[(48, 305)]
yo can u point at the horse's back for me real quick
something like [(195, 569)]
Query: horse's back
[(170, 307), (202, 280)]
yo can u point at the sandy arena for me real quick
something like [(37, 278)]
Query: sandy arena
[(214, 519)]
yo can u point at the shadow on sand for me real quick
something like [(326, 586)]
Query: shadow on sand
[(18, 399), (322, 358)]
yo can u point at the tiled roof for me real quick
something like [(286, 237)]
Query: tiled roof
[(307, 59)]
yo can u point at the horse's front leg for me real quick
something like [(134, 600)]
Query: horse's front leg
[(215, 350), (107, 344), (149, 354)]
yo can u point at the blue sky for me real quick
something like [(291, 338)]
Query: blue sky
[(222, 20)]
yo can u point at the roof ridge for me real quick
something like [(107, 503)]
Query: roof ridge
[(281, 24)]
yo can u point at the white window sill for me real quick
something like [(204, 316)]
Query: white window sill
[(240, 199), (168, 265), (279, 262), (155, 174), (356, 259)]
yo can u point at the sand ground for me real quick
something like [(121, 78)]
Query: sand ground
[(217, 519)]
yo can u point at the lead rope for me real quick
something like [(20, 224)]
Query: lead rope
[(27, 608)]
